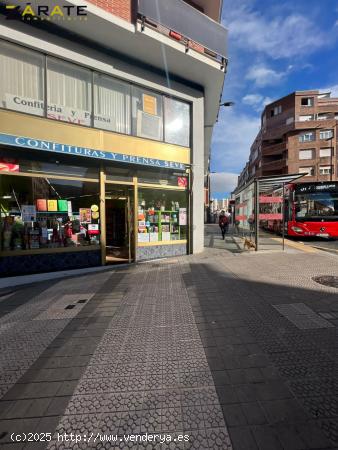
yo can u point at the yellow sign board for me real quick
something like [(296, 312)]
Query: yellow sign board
[(149, 104)]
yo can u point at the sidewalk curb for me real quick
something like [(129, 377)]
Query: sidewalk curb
[(24, 280)]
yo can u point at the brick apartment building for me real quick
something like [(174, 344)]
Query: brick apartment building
[(106, 115), (298, 134)]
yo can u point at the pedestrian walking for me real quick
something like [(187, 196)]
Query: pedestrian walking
[(223, 222)]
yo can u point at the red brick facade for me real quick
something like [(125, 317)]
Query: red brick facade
[(119, 8)]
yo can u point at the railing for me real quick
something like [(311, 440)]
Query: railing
[(277, 164), (182, 18), (273, 149)]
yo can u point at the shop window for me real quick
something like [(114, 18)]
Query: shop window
[(162, 216), (21, 79), (68, 92), (111, 104), (46, 213), (163, 177), (147, 114), (177, 122), (46, 163)]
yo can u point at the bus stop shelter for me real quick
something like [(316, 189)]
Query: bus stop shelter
[(251, 198)]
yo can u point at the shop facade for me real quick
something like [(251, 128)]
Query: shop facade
[(94, 169)]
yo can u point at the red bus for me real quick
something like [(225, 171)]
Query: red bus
[(311, 210)]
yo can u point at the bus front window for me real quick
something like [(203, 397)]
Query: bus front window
[(316, 205)]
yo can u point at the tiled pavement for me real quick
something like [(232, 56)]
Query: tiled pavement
[(192, 345)]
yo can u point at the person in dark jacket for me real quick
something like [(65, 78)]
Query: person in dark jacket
[(223, 222)]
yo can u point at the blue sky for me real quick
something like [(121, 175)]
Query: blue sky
[(275, 47)]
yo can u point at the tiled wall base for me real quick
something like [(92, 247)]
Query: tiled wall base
[(160, 251), (25, 264)]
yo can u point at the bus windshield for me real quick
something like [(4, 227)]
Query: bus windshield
[(316, 205)]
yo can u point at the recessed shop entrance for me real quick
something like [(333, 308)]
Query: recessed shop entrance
[(119, 204)]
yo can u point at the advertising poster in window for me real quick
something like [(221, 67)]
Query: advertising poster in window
[(182, 216), (85, 215), (28, 213), (149, 104), (182, 181)]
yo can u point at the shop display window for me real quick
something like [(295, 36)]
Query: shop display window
[(163, 177), (46, 163), (47, 213), (162, 216)]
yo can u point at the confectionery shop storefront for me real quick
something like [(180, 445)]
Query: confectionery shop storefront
[(64, 211)]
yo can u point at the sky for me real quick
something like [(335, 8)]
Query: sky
[(275, 47)]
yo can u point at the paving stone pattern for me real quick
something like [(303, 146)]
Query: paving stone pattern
[(277, 383), (27, 330), (149, 373)]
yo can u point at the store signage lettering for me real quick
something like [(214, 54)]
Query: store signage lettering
[(37, 144), (56, 112)]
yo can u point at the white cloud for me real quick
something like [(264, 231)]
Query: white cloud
[(223, 182), (278, 36), (252, 99), (232, 138), (257, 101), (264, 76), (333, 89)]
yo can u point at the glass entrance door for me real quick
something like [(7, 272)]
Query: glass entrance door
[(119, 224)]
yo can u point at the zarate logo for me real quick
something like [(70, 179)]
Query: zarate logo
[(29, 11)]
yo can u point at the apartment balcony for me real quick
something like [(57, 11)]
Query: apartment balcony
[(270, 166), (187, 25), (273, 149)]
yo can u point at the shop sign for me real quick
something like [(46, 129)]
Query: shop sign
[(55, 147), (28, 213), (56, 112)]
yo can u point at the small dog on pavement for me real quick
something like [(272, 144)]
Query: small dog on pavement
[(248, 244)]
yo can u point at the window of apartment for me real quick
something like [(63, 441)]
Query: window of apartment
[(276, 110), (322, 116), (325, 134), (307, 101), (289, 120), (306, 118), (177, 122), (21, 79), (111, 104), (308, 171), (306, 154), (324, 152), (307, 137), (147, 114), (68, 92), (325, 170)]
